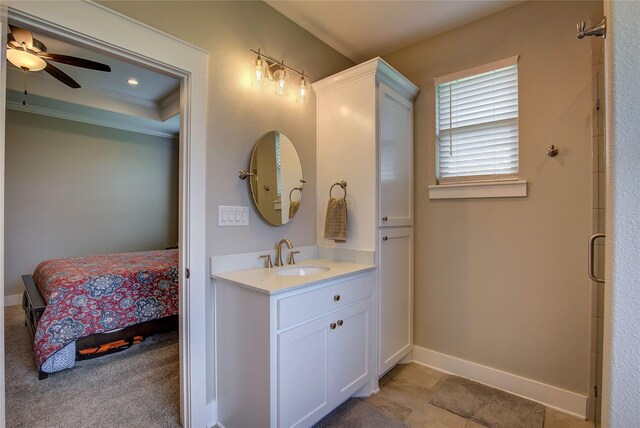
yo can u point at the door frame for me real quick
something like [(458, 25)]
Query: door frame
[(93, 26)]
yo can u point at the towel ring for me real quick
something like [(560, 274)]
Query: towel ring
[(342, 184), (291, 192)]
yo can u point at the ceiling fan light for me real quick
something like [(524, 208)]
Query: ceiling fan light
[(25, 60)]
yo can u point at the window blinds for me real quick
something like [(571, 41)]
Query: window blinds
[(477, 126)]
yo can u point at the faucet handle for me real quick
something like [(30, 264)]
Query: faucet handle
[(292, 260), (267, 264)]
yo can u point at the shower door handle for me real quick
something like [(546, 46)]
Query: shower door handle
[(592, 243)]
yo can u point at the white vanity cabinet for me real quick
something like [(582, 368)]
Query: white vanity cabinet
[(322, 363), (288, 359), (396, 296), (365, 137), (395, 158)]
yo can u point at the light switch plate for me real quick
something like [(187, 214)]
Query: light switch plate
[(233, 216)]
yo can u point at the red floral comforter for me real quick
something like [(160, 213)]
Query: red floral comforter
[(95, 294)]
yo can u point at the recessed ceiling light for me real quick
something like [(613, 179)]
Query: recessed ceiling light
[(132, 82)]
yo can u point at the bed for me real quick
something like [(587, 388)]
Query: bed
[(74, 304)]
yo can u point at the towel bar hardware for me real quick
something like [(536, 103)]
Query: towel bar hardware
[(342, 184), (295, 188), (592, 242)]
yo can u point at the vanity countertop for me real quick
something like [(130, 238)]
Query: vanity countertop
[(268, 281)]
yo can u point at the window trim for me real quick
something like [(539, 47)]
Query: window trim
[(503, 63), (487, 189), (479, 179)]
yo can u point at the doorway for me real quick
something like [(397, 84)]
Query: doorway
[(107, 32)]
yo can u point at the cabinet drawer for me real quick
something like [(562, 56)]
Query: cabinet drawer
[(295, 309)]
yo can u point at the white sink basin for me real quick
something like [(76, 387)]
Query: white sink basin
[(302, 270)]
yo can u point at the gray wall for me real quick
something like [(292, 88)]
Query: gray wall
[(238, 115), (502, 282), (76, 189)]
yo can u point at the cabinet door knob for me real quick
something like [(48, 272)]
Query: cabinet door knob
[(332, 326), (385, 238), (336, 297), (340, 322), (385, 218)]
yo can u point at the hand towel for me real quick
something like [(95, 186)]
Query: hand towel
[(335, 226), (293, 208)]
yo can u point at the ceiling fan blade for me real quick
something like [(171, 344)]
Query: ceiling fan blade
[(77, 62), (61, 76), (22, 36)]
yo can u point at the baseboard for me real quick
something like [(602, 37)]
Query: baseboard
[(551, 396), (14, 299)]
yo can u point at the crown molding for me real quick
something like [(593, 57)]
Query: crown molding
[(91, 120), (169, 105), (374, 67)]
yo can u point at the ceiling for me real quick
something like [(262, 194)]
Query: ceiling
[(104, 99), (361, 30)]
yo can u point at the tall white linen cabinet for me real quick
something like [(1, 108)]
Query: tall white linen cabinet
[(365, 137)]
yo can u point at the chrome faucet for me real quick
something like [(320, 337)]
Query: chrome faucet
[(279, 250)]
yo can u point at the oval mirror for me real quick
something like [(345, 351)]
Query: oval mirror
[(276, 185)]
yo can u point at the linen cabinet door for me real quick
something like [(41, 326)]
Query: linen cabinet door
[(349, 345), (395, 175), (303, 374), (396, 296)]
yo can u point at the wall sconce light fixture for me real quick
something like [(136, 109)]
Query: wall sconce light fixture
[(265, 68)]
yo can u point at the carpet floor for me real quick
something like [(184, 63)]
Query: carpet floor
[(138, 387)]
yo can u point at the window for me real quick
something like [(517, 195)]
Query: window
[(477, 124)]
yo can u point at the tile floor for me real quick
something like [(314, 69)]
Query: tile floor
[(404, 395)]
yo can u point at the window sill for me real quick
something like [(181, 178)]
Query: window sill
[(492, 189)]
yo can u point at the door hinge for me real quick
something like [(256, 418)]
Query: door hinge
[(595, 391), (187, 274), (598, 104)]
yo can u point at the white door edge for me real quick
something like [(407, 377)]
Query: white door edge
[(93, 25)]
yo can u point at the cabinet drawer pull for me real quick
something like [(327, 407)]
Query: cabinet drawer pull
[(385, 238), (385, 218), (340, 322), (332, 326), (336, 297)]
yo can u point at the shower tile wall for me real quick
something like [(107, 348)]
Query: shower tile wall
[(599, 200)]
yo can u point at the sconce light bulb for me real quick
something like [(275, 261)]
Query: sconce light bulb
[(259, 72), (302, 91), (281, 82)]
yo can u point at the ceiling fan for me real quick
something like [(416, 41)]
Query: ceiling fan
[(30, 54)]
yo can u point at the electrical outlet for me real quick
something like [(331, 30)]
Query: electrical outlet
[(233, 216)]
